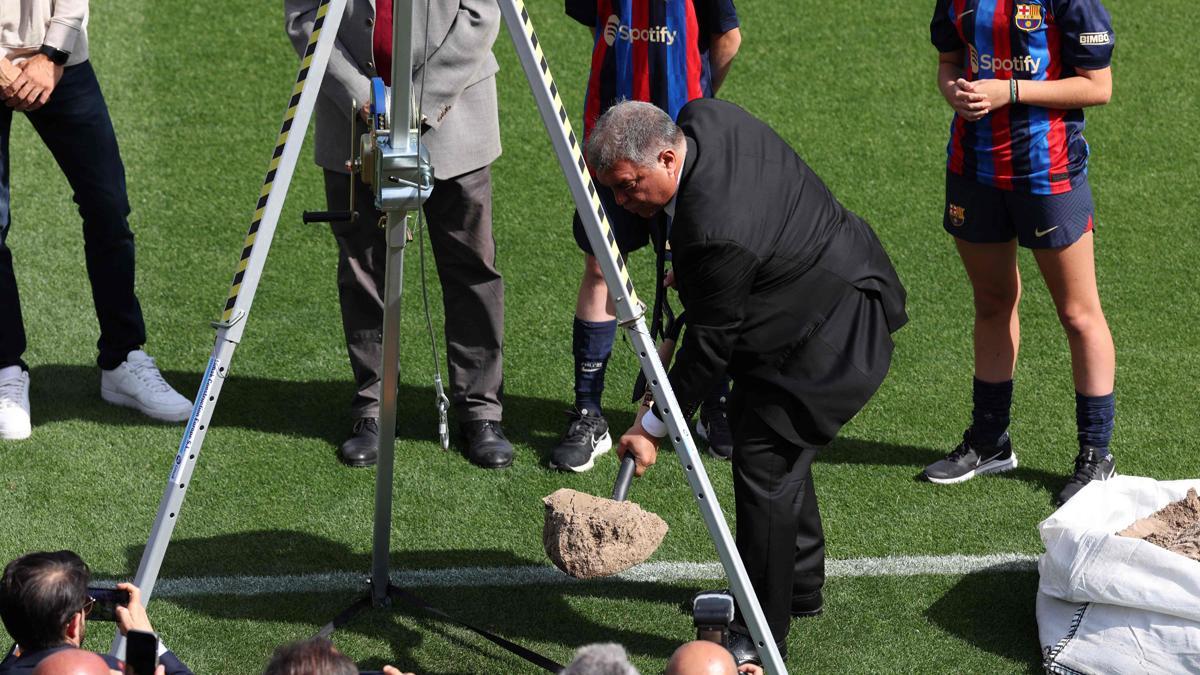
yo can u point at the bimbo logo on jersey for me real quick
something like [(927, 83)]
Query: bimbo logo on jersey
[(990, 64), (614, 30)]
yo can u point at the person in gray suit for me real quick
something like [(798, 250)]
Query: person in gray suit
[(460, 126)]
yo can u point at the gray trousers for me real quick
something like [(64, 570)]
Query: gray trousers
[(458, 217)]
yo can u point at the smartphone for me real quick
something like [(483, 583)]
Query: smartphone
[(107, 600), (141, 653)]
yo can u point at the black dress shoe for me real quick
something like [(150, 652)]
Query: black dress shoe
[(741, 645), (486, 445), (807, 604), (362, 446)]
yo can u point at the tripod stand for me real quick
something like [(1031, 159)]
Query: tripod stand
[(402, 180)]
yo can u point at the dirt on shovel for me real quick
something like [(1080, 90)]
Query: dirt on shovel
[(588, 536)]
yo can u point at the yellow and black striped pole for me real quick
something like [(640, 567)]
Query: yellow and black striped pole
[(630, 313), (241, 294)]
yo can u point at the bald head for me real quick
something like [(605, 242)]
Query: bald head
[(72, 662), (701, 657)]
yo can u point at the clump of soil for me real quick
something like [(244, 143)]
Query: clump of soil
[(589, 537), (1175, 527)]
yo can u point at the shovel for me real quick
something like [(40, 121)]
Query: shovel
[(588, 537)]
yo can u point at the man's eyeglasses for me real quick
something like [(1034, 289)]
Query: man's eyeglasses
[(87, 605)]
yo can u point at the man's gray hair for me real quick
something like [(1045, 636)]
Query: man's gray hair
[(632, 131), (607, 658)]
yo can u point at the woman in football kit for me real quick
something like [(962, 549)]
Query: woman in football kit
[(1017, 75)]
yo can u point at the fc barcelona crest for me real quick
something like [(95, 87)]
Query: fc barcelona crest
[(958, 215), (1029, 17)]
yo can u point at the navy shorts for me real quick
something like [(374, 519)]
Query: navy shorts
[(982, 214), (631, 230)]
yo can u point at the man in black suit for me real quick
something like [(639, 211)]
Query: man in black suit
[(786, 290)]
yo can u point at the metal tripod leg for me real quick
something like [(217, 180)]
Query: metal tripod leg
[(630, 313), (241, 293), (397, 237)]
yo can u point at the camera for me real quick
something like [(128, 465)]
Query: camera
[(712, 612)]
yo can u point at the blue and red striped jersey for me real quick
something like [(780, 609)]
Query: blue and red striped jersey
[(649, 50), (1022, 147)]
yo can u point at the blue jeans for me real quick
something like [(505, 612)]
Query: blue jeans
[(75, 126)]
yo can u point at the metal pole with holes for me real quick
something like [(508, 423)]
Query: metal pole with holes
[(241, 293), (630, 314)]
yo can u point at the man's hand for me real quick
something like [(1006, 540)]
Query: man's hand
[(643, 446), (750, 669), (9, 72), (393, 670), (32, 88), (966, 99), (133, 616)]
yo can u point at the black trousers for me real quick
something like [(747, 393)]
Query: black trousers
[(779, 533)]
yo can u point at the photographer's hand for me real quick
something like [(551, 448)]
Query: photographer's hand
[(133, 616)]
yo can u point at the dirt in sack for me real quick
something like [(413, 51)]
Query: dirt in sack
[(1175, 527)]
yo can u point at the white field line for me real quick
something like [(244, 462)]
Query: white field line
[(531, 575)]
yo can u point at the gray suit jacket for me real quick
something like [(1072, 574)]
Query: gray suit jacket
[(459, 99)]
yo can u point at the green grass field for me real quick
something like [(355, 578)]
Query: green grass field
[(197, 91)]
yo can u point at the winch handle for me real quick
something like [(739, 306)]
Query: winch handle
[(624, 478)]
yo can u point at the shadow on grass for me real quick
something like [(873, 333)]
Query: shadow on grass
[(993, 610), (855, 451), (313, 409), (522, 613)]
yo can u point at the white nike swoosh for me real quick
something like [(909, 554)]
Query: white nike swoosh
[(965, 13), (1038, 233)]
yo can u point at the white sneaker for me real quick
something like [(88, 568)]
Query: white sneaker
[(137, 384), (14, 403)]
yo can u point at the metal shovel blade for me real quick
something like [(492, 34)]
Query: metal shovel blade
[(588, 536)]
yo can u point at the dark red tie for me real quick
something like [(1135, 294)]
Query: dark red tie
[(381, 40)]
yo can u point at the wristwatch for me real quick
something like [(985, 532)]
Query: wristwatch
[(56, 55)]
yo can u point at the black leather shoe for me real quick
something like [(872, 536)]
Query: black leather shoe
[(486, 445), (741, 645), (808, 604), (361, 448)]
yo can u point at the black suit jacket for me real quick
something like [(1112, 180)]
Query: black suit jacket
[(784, 288)]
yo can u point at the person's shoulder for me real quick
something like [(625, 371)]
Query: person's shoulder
[(707, 109)]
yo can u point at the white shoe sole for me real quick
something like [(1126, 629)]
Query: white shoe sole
[(603, 445), (18, 434), (161, 414), (987, 467)]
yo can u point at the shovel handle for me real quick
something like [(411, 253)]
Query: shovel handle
[(624, 478)]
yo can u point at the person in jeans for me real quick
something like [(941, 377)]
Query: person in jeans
[(46, 75)]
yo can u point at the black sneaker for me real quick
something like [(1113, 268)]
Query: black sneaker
[(971, 459), (586, 438), (713, 427), (1088, 467)]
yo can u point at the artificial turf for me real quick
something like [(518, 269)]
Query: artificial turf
[(197, 90)]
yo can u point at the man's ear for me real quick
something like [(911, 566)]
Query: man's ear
[(668, 157), (74, 629)]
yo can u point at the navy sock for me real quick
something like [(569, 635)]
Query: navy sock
[(592, 343), (1094, 419), (990, 416)]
